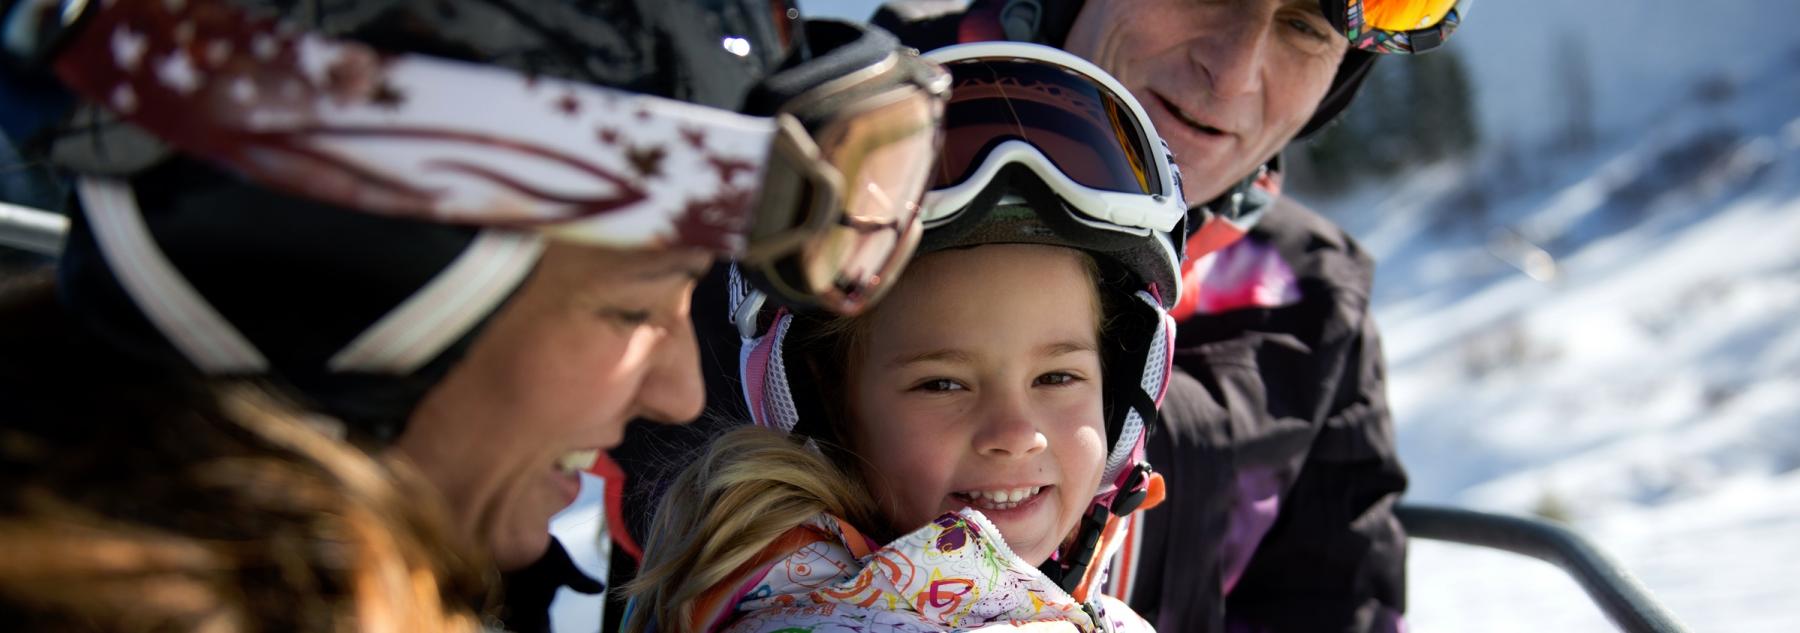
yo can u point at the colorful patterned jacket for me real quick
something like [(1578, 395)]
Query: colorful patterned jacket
[(955, 574)]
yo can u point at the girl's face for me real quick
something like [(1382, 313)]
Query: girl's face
[(979, 386)]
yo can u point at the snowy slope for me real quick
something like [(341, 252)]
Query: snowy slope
[(1614, 336)]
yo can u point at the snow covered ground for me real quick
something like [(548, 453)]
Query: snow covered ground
[(1610, 335)]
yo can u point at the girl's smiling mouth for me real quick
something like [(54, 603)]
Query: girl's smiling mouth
[(1000, 499)]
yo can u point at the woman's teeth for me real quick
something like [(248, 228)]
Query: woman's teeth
[(578, 461), (999, 499)]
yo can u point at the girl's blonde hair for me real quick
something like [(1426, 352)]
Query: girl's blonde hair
[(753, 484), (750, 486)]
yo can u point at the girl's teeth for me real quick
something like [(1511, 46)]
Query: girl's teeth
[(578, 461), (1001, 499)]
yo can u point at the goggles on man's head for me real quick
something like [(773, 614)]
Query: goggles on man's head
[(1395, 26), (814, 199), (1067, 121)]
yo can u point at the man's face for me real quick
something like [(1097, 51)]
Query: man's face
[(592, 339), (1227, 82)]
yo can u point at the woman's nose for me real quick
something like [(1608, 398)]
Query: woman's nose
[(673, 391)]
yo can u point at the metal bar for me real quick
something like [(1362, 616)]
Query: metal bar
[(1621, 597), (32, 230)]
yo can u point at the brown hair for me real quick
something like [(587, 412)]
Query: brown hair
[(143, 498)]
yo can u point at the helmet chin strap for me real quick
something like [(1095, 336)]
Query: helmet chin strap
[(1078, 568), (1230, 204), (1238, 206)]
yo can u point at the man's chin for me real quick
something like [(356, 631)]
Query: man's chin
[(1199, 193)]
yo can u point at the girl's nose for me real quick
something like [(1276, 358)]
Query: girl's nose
[(1008, 429)]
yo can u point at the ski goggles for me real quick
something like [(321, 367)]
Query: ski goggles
[(816, 198), (1071, 124), (1395, 26)]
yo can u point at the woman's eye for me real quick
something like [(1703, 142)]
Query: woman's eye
[(1057, 378), (627, 316)]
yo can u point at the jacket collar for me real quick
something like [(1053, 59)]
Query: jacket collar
[(956, 572)]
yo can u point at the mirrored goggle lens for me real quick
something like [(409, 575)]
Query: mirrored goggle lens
[(1088, 133), (1402, 15), (885, 156)]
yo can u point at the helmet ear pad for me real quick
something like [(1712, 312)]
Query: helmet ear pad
[(820, 381), (818, 371), (1134, 364), (1125, 332)]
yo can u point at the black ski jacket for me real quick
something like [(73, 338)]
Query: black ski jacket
[(1278, 454)]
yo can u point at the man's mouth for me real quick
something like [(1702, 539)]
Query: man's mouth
[(1183, 116), (578, 461), (1002, 499)]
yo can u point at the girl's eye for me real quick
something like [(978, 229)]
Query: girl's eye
[(1057, 379), (939, 385)]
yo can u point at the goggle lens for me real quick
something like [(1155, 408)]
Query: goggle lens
[(1087, 132), (884, 156), (1405, 15), (1395, 26)]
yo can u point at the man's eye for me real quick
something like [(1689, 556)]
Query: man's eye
[(1306, 28)]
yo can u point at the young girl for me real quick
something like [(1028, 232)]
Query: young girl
[(968, 441)]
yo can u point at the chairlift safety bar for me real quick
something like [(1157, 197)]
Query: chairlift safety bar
[(1621, 597)]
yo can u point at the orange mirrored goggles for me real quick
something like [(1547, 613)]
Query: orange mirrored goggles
[(1395, 26)]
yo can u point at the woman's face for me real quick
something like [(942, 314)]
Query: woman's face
[(979, 386), (592, 339)]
